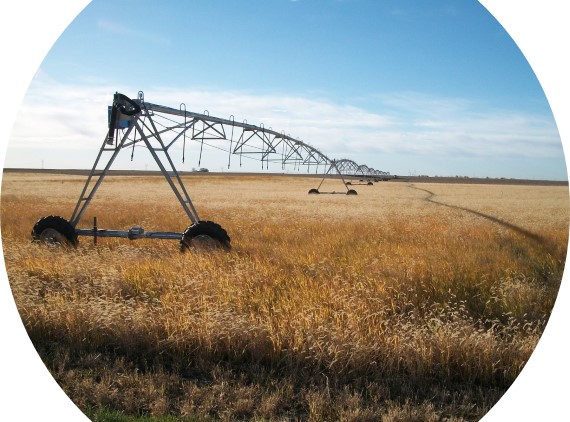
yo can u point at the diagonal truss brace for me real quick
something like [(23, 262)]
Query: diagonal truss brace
[(170, 173)]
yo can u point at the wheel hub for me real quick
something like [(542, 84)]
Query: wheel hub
[(52, 237), (204, 242)]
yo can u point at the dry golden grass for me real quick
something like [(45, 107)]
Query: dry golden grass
[(380, 306)]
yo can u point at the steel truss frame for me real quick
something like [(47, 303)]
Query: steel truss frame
[(135, 122)]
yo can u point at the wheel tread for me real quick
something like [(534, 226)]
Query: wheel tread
[(208, 228), (57, 223)]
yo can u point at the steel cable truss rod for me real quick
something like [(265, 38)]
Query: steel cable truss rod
[(244, 139), (350, 168)]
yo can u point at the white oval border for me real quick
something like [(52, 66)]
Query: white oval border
[(28, 29)]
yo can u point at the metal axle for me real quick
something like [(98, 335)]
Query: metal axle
[(133, 233)]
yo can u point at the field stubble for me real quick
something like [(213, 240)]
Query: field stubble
[(380, 306)]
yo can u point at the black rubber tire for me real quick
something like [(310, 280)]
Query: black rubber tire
[(54, 230), (313, 191), (213, 233), (351, 192), (370, 183), (348, 183)]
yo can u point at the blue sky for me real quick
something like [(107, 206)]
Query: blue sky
[(409, 87)]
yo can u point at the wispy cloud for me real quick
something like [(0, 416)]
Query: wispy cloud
[(437, 125), (147, 35), (64, 117)]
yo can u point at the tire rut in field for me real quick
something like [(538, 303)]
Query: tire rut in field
[(528, 234)]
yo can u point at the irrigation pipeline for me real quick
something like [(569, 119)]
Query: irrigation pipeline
[(135, 122), (168, 125)]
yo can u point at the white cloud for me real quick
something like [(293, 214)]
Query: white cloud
[(65, 117), (459, 126), (59, 116), (146, 34)]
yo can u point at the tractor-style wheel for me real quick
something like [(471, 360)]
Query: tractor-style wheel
[(204, 235), (54, 230), (313, 191), (351, 192)]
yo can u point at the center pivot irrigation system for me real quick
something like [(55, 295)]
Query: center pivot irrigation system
[(135, 122)]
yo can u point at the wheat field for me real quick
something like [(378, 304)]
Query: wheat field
[(407, 302)]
